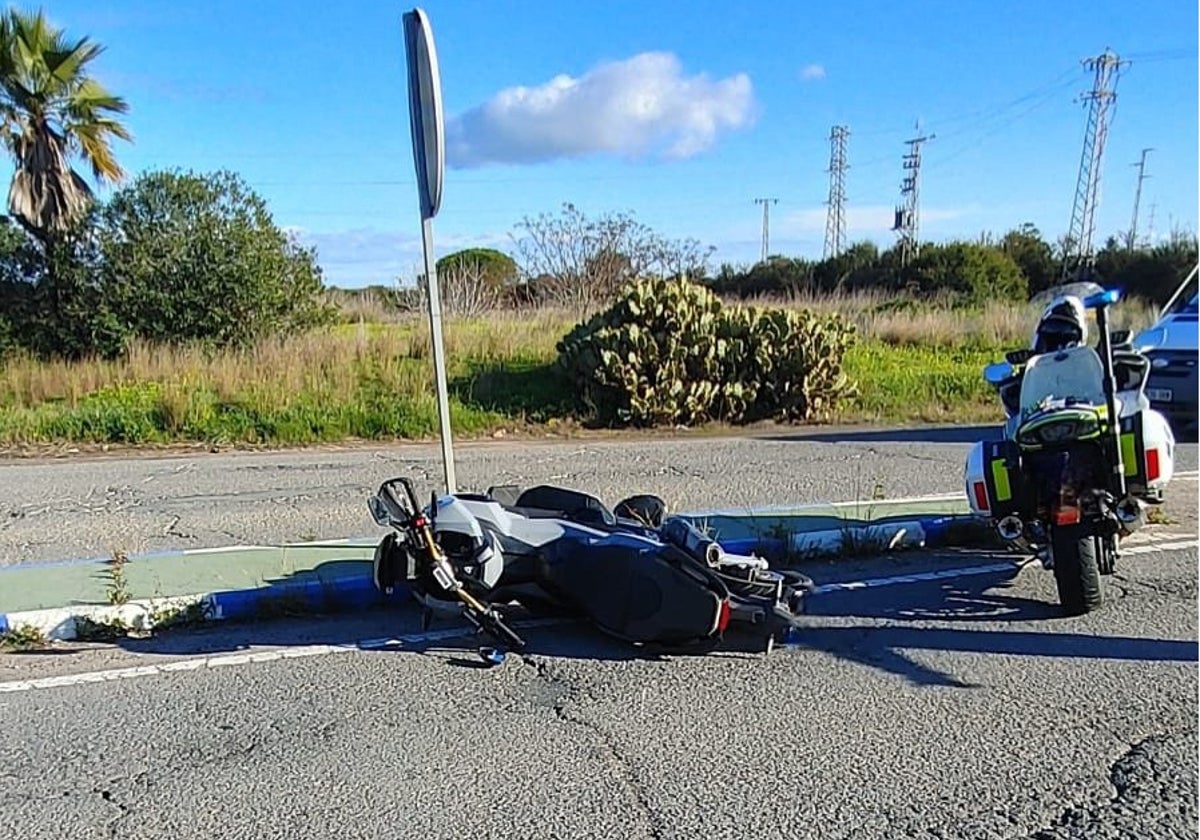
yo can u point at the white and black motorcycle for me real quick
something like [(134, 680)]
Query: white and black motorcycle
[(1082, 454), (633, 572)]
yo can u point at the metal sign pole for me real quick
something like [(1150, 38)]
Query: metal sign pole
[(439, 356), (428, 138)]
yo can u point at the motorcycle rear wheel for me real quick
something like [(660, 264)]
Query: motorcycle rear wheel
[(1076, 568)]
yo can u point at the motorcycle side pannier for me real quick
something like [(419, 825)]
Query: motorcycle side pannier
[(994, 483)]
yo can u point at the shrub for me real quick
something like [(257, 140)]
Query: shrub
[(969, 274), (668, 352), (188, 257)]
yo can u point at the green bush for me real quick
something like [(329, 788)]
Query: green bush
[(186, 257), (668, 352), (967, 274)]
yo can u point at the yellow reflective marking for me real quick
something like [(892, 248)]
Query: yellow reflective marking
[(1129, 454), (1000, 478)]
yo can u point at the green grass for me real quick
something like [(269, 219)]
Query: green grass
[(375, 381), (900, 383)]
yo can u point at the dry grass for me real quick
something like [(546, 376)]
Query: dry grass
[(316, 362), (907, 321), (915, 361)]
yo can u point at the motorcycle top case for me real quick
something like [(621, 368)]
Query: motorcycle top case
[(994, 483)]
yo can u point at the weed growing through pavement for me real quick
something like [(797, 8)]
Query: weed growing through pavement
[(1157, 516), (100, 630), (117, 590), (166, 617), (22, 637)]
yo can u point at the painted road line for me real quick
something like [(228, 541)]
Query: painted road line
[(916, 577), (994, 568), (1150, 548), (233, 660)]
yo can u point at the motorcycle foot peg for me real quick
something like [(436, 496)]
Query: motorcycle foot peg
[(493, 656)]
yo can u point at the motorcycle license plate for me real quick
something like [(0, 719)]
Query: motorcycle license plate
[(1159, 394)]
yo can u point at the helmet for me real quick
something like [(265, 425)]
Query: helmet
[(1063, 324)]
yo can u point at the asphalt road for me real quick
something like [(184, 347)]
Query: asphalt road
[(89, 506), (958, 708), (952, 709)]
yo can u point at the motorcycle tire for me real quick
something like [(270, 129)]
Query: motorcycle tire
[(1076, 568)]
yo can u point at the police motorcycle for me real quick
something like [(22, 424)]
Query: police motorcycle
[(634, 572), (1083, 454)]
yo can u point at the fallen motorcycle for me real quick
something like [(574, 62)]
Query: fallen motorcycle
[(1083, 453), (633, 572)]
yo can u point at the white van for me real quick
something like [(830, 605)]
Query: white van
[(1172, 345)]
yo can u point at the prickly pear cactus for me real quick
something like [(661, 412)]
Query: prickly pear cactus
[(668, 352)]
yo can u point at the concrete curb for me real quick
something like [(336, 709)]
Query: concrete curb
[(73, 600)]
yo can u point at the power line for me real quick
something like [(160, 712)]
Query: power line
[(835, 216), (1106, 68), (1137, 198), (908, 217), (766, 203), (1060, 81)]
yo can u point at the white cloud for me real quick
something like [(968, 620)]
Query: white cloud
[(863, 219), (632, 107), (812, 71)]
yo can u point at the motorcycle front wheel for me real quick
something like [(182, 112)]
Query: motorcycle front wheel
[(1076, 568)]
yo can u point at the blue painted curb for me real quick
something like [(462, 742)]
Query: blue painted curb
[(343, 595), (357, 591)]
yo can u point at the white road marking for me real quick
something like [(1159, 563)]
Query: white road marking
[(228, 660), (942, 574), (916, 577), (1147, 548)]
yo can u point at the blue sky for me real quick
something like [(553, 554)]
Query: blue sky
[(681, 113)]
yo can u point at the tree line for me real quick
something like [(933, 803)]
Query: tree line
[(1016, 266)]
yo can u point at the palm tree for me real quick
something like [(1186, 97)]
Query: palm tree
[(51, 111)]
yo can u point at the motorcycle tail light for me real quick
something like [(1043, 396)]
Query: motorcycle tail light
[(981, 498), (1153, 468)]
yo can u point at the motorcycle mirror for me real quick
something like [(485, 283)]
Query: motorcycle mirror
[(1099, 299), (378, 511), (997, 373)]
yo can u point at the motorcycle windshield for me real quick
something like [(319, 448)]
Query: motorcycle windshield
[(1074, 375)]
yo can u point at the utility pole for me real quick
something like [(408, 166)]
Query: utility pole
[(835, 216), (1101, 97), (1137, 199), (766, 203), (908, 217)]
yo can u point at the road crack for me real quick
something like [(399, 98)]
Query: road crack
[(611, 754), (173, 531), (1148, 790), (108, 794)]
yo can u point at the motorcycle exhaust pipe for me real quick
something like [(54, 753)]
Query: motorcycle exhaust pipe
[(1131, 513), (1010, 528)]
